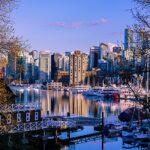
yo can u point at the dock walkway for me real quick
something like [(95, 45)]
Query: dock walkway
[(50, 122)]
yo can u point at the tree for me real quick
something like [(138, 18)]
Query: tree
[(9, 43), (142, 13), (140, 48)]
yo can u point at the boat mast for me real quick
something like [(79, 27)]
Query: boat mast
[(20, 78), (147, 80)]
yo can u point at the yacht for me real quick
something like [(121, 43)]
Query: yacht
[(89, 92), (95, 91), (80, 88), (18, 88), (110, 91)]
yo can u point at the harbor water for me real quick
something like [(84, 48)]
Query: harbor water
[(55, 103)]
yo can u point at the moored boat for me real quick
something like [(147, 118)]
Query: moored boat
[(80, 88)]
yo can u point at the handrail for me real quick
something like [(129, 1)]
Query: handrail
[(19, 107)]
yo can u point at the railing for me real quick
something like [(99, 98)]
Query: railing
[(49, 123), (33, 126), (83, 121), (18, 107)]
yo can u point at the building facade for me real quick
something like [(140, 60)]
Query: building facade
[(78, 67), (95, 55), (35, 66), (44, 66)]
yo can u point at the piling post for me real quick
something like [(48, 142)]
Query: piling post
[(24, 139), (68, 114), (47, 112), (9, 141), (68, 132), (102, 130), (56, 135), (44, 132)]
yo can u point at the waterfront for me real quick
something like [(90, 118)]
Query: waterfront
[(59, 103)]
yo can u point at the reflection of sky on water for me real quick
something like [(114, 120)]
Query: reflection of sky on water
[(59, 103)]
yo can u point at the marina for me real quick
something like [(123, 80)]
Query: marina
[(68, 118)]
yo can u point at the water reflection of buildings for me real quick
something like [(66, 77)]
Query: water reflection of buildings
[(28, 96), (59, 103)]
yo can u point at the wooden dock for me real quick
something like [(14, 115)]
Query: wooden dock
[(81, 138)]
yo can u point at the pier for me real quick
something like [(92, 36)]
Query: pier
[(16, 123), (82, 138), (50, 122)]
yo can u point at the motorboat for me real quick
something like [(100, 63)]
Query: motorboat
[(89, 92), (109, 91), (80, 88), (127, 134), (140, 136)]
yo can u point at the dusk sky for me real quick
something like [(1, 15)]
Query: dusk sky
[(67, 25)]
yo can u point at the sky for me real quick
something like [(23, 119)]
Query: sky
[(67, 25)]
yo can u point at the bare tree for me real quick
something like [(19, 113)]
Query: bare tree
[(9, 43), (140, 48), (141, 13)]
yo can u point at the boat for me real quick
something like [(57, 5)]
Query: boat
[(109, 91), (127, 134), (115, 130), (80, 88), (130, 146), (142, 137), (89, 92), (16, 89)]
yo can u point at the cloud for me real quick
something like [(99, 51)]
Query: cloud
[(76, 25), (103, 20)]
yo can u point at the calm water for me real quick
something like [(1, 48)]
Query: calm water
[(59, 103)]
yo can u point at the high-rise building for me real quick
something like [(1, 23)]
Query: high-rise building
[(11, 66), (65, 63), (67, 54), (128, 38), (78, 67), (35, 68), (56, 64), (27, 61), (19, 66), (95, 55), (44, 66), (128, 44)]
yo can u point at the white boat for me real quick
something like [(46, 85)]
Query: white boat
[(109, 91), (124, 90), (142, 136), (130, 146), (127, 134), (80, 88), (89, 92), (20, 88), (102, 91)]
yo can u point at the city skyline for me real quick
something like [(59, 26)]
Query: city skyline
[(87, 24)]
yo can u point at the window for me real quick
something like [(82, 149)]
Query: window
[(36, 116), (18, 117), (9, 119), (27, 116)]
